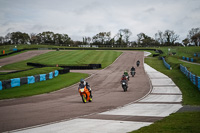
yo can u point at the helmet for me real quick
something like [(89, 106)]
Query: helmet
[(82, 81)]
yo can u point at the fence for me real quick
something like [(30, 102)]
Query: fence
[(193, 78), (5, 84), (166, 64)]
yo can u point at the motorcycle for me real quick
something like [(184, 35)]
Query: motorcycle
[(124, 85), (133, 73), (85, 94), (138, 63)]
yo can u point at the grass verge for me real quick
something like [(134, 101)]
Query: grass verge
[(175, 124)]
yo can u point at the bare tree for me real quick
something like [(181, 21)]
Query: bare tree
[(159, 37), (170, 37), (124, 35), (194, 36)]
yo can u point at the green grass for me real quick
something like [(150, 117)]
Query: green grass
[(59, 82), (77, 57), (186, 122)]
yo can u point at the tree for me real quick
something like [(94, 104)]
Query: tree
[(185, 41), (170, 37), (194, 36), (47, 37), (101, 38), (143, 39), (1, 39), (196, 39), (66, 39), (20, 38), (159, 37), (123, 36), (57, 38)]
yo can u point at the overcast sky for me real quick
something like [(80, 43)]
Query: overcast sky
[(79, 18)]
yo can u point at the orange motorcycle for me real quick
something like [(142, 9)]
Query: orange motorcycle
[(85, 94)]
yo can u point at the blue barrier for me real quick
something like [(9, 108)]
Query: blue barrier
[(56, 73), (5, 84), (31, 79), (15, 82), (197, 54), (14, 49), (193, 78), (50, 75), (188, 59), (42, 77), (166, 64), (1, 87)]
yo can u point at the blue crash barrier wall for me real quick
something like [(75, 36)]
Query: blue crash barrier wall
[(193, 78), (15, 82), (166, 64), (5, 84), (31, 79), (188, 59), (1, 85), (197, 54)]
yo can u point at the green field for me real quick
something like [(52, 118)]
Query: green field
[(75, 57)]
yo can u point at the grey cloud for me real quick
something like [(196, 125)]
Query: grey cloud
[(150, 10)]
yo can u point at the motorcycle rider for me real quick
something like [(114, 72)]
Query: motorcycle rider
[(132, 68), (138, 63), (126, 74), (83, 83), (124, 79)]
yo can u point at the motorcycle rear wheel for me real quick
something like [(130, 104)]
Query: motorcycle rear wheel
[(90, 100)]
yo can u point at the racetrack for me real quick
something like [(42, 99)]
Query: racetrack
[(22, 56), (66, 103)]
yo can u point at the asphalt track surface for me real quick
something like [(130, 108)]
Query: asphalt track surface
[(66, 104), (22, 56)]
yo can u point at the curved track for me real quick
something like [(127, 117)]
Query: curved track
[(66, 103), (22, 56)]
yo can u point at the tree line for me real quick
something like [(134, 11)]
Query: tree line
[(162, 38)]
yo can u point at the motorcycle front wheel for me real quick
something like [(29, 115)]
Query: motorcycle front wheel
[(125, 88), (84, 98)]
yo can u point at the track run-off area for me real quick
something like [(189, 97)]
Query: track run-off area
[(151, 96)]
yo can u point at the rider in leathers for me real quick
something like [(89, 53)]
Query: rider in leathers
[(82, 84)]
